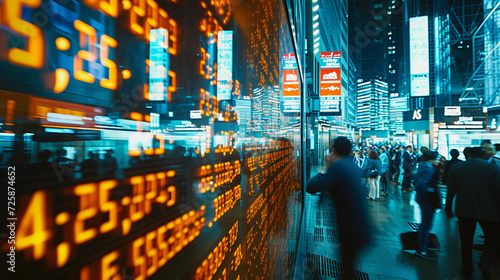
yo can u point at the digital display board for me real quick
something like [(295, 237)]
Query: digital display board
[(460, 118), (419, 56), (330, 82), (291, 86), (225, 65), (174, 205), (158, 64)]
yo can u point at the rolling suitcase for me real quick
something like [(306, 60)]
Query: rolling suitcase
[(409, 240)]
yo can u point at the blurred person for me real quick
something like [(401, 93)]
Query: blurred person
[(397, 165), (421, 157), (90, 166), (489, 155), (342, 182), (476, 185), (42, 169), (454, 153), (408, 167), (63, 166), (428, 198), (497, 148), (466, 152), (384, 179), (374, 172), (110, 163)]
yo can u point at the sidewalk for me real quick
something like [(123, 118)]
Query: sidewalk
[(385, 259)]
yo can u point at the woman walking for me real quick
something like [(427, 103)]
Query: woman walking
[(374, 172), (428, 198)]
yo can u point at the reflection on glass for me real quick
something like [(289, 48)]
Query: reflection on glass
[(148, 139)]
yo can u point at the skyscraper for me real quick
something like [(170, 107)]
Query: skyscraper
[(373, 105)]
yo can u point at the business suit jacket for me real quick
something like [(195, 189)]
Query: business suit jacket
[(342, 181), (477, 187), (408, 161)]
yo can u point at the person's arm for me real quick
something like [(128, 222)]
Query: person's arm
[(323, 182), (451, 191)]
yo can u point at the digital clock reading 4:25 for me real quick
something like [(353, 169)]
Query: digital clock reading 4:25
[(76, 46)]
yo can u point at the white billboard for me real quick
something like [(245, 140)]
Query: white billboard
[(419, 56), (224, 65)]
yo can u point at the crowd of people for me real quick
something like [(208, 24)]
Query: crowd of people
[(472, 186)]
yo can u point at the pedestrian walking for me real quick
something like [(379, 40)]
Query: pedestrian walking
[(428, 198), (476, 185), (374, 172), (342, 182)]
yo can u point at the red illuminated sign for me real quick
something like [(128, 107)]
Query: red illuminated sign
[(330, 82)]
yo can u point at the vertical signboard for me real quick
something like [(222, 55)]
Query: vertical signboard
[(330, 83), (291, 90), (158, 64), (419, 56), (224, 65)]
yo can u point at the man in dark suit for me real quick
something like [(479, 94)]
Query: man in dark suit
[(454, 153), (397, 165), (477, 187), (408, 166), (342, 182)]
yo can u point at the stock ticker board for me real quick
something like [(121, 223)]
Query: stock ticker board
[(186, 218)]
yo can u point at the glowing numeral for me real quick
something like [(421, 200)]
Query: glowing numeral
[(137, 205), (173, 87), (109, 271), (173, 31), (152, 17), (139, 259), (152, 253), (110, 83), (88, 209), (33, 231), (108, 206), (33, 56), (109, 7), (91, 55), (151, 191), (138, 10)]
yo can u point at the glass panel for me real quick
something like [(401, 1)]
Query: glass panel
[(150, 139)]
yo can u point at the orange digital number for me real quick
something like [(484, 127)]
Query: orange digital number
[(173, 85), (151, 191), (33, 231), (110, 83), (152, 253), (137, 205), (108, 206), (33, 55), (151, 18), (109, 271), (91, 55), (138, 10), (139, 259), (109, 7), (88, 209), (173, 33)]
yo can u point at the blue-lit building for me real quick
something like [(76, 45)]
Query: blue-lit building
[(372, 105)]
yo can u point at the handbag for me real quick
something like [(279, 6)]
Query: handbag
[(373, 173)]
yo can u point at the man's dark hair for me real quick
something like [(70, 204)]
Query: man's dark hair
[(477, 152), (497, 147), (467, 152), (430, 155), (342, 146), (454, 153)]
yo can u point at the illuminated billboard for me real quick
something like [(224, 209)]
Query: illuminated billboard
[(419, 56), (330, 83), (291, 90), (158, 64), (224, 65)]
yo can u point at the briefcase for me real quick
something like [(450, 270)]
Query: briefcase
[(409, 240)]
